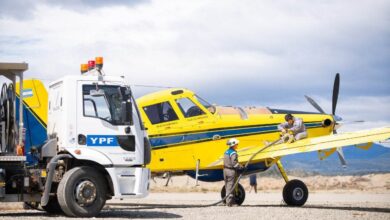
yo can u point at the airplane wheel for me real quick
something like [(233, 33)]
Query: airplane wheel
[(239, 197), (295, 193)]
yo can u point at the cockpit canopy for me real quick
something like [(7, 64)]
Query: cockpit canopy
[(173, 104)]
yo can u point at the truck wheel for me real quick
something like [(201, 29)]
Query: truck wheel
[(82, 192), (295, 193), (53, 207), (239, 196)]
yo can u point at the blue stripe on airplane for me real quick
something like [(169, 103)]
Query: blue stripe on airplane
[(188, 138)]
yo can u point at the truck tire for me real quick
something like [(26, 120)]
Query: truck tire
[(82, 192), (53, 207)]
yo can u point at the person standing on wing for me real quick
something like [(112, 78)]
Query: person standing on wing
[(293, 125), (231, 167)]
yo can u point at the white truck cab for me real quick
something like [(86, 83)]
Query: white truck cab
[(94, 119), (96, 147)]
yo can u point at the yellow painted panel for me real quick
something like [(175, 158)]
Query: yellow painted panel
[(209, 152), (36, 97)]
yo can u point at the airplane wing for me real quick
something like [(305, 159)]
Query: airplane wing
[(329, 142)]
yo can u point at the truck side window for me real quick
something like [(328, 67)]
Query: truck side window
[(161, 112), (96, 107), (105, 106), (188, 107)]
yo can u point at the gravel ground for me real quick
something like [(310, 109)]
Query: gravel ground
[(264, 205)]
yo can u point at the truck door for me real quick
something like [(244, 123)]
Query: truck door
[(101, 124)]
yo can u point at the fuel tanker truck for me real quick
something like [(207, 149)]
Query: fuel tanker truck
[(70, 148)]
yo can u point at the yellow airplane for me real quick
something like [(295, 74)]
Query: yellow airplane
[(188, 135)]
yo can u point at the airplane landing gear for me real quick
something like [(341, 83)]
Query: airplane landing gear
[(239, 194), (295, 192)]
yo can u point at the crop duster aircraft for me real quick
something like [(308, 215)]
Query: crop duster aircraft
[(188, 135)]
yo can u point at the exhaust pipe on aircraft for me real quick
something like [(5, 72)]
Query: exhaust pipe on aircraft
[(327, 122)]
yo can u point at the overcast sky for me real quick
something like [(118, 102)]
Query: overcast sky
[(268, 53)]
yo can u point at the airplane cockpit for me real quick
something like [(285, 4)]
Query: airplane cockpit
[(188, 108), (169, 106), (160, 112)]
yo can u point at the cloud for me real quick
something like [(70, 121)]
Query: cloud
[(24, 9), (373, 110), (21, 9), (230, 52)]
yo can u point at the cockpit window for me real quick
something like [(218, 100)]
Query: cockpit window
[(161, 112), (207, 105), (188, 107)]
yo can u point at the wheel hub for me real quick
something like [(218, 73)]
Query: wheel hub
[(298, 193), (85, 192)]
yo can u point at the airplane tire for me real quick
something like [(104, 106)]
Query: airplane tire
[(53, 207), (239, 197), (295, 193), (82, 192)]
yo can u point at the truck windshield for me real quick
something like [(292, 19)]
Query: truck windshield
[(106, 104)]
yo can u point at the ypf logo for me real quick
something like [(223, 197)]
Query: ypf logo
[(102, 140)]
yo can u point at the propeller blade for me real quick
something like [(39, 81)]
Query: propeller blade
[(314, 104), (341, 157), (336, 87), (351, 122)]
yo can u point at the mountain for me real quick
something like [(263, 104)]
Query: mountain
[(374, 160)]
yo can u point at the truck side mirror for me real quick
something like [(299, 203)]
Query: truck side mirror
[(126, 112), (126, 106)]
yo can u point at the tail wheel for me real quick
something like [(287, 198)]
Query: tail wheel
[(239, 194), (82, 192), (295, 193)]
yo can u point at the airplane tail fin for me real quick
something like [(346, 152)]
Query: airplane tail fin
[(35, 107)]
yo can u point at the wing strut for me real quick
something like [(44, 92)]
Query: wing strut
[(281, 170), (341, 157)]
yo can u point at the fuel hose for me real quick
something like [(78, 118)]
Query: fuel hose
[(7, 117)]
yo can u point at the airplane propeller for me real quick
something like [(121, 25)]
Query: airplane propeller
[(314, 104), (335, 96)]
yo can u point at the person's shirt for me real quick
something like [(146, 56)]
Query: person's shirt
[(231, 159), (297, 127)]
